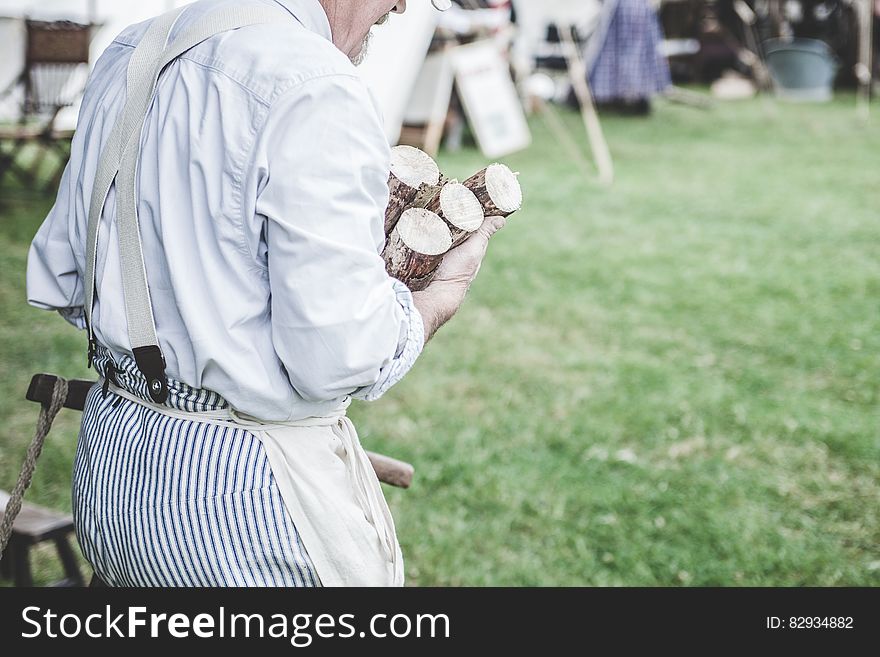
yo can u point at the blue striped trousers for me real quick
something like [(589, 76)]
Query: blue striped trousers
[(164, 501)]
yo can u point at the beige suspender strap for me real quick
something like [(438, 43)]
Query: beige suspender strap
[(142, 81), (142, 60)]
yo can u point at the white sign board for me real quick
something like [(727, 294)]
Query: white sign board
[(490, 99)]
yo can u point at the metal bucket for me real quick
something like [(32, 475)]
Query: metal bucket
[(802, 69)]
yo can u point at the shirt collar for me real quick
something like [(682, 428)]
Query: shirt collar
[(311, 14)]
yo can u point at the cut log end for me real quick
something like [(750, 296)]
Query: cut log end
[(424, 232), (503, 188), (460, 207), (416, 246), (497, 189), (412, 171), (414, 167)]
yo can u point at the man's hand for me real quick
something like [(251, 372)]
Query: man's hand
[(438, 302), (460, 266)]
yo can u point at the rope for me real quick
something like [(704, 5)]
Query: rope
[(44, 423)]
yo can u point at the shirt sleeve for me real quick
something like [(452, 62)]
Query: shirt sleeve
[(340, 325), (412, 340), (53, 279)]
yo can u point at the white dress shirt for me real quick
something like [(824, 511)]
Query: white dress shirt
[(262, 187)]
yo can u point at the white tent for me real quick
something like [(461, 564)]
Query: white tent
[(397, 50), (533, 17)]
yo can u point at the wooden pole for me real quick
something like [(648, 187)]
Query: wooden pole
[(391, 471), (864, 67), (577, 71)]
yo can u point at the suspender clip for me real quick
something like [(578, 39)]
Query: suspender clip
[(151, 363), (109, 377)]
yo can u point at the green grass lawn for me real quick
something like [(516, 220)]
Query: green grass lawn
[(670, 382)]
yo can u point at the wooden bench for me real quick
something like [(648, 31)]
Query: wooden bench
[(35, 525)]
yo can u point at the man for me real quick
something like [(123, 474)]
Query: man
[(259, 184)]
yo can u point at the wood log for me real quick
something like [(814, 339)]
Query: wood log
[(460, 209), (411, 169), (391, 471), (416, 246), (497, 189)]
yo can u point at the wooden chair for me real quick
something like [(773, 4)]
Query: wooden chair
[(54, 77)]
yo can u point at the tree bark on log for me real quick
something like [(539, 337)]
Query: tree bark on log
[(400, 198), (416, 247), (460, 209), (411, 169), (497, 189)]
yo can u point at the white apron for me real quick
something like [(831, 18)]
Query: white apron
[(329, 488)]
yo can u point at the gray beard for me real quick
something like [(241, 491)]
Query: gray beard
[(358, 59)]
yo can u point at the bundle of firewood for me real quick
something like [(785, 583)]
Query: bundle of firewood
[(428, 214)]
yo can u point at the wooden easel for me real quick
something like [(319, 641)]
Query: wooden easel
[(577, 74)]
